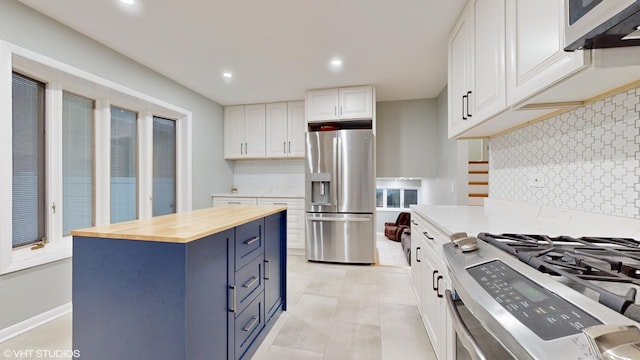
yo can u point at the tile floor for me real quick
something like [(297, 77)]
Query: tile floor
[(335, 312)]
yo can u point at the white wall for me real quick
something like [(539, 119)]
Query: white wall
[(30, 292)]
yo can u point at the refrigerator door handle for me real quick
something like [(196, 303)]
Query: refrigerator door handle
[(338, 219)]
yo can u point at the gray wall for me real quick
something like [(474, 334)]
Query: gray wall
[(406, 138), (451, 160), (30, 292)]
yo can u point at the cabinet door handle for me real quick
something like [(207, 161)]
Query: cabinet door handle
[(241, 152), (289, 147), (414, 223), (335, 111), (438, 286), (267, 272), (468, 97), (284, 147), (427, 235), (245, 149), (463, 110), (232, 302), (417, 253), (251, 324), (433, 280), (252, 240), (250, 283)]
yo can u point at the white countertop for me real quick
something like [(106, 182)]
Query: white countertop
[(498, 216)]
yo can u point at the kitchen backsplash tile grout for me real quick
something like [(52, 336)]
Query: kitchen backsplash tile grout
[(285, 176), (588, 159)]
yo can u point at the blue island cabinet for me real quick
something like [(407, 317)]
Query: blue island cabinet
[(215, 297)]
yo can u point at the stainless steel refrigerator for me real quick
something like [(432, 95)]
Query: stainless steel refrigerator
[(340, 196)]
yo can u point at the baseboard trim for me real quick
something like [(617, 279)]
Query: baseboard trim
[(26, 325)]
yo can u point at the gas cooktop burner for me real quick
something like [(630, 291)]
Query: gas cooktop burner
[(597, 263)]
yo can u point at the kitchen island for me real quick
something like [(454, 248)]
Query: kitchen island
[(206, 284)]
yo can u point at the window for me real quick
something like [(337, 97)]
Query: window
[(28, 204), (77, 162), (124, 165), (397, 194), (164, 166), (76, 158)]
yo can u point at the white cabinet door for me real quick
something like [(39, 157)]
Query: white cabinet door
[(296, 128), (460, 72), (536, 56), (277, 141), (488, 96), (295, 219), (233, 132), (356, 102), (417, 268), (254, 130), (322, 105)]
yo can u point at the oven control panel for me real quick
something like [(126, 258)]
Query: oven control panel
[(543, 312)]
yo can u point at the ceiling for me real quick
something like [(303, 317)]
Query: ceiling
[(275, 49)]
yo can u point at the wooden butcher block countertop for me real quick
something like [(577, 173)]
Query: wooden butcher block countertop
[(182, 227)]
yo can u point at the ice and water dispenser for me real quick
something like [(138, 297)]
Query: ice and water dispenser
[(320, 189)]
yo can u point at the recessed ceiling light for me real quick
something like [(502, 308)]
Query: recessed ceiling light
[(335, 64), (128, 2), (227, 75)]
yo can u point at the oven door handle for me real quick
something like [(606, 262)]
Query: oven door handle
[(463, 332)]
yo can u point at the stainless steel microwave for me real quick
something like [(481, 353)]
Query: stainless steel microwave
[(596, 24)]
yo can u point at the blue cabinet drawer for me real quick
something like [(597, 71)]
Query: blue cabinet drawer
[(249, 242), (249, 282), (248, 326)]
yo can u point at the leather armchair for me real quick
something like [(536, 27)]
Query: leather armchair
[(393, 230)]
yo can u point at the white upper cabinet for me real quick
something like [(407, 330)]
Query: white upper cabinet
[(233, 132), (296, 128), (276, 130), (477, 86), (244, 131), (285, 127), (350, 103), (535, 43)]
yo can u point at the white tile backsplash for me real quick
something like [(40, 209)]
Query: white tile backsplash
[(269, 176), (588, 158)]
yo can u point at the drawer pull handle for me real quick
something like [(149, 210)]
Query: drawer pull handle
[(233, 202), (427, 235), (251, 324), (252, 240), (280, 203), (233, 297), (268, 272), (250, 283), (414, 223)]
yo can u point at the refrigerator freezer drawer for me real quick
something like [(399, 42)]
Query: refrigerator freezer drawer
[(344, 238)]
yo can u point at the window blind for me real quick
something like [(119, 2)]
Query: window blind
[(124, 164), (28, 203), (164, 166), (77, 162)]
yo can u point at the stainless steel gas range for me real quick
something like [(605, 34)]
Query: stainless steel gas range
[(545, 297)]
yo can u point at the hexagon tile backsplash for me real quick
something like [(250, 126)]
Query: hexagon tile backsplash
[(269, 176), (586, 159)]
